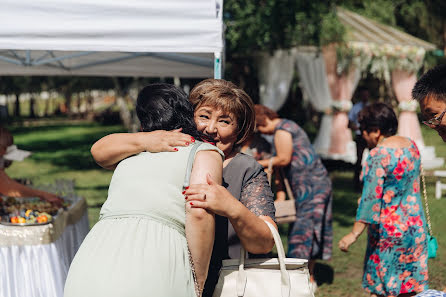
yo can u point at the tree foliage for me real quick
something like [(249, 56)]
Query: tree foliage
[(271, 24)]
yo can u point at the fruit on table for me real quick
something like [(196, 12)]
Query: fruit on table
[(42, 219), (22, 220), (14, 220)]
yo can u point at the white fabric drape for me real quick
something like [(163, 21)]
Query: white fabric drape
[(312, 75), (313, 79), (40, 270), (275, 75)]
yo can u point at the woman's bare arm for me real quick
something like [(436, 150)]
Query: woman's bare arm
[(111, 149), (10, 187), (200, 223), (254, 234), (283, 142), (351, 237)]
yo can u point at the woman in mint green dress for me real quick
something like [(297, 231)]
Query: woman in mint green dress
[(147, 242), (395, 263)]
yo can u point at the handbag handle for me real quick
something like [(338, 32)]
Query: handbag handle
[(285, 277), (429, 226)]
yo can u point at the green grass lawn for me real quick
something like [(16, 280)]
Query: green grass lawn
[(62, 150)]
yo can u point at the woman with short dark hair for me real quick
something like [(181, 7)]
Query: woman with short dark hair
[(391, 209), (149, 241)]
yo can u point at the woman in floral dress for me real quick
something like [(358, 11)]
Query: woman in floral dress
[(395, 263)]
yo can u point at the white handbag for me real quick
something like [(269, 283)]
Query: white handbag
[(271, 277)]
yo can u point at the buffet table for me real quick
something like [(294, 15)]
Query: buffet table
[(34, 260)]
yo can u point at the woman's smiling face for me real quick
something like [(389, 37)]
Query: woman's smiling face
[(219, 125)]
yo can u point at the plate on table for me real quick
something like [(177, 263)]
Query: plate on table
[(27, 211), (23, 224)]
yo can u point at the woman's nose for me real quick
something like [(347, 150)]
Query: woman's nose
[(211, 127)]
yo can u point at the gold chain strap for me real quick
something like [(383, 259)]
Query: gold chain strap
[(425, 200)]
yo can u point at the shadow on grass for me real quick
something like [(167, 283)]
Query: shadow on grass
[(323, 273), (67, 147)]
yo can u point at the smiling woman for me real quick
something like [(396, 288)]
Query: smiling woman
[(224, 113)]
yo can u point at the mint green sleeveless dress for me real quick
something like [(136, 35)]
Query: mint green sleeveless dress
[(138, 247)]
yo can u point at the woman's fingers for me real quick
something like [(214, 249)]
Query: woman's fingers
[(198, 204), (343, 245), (196, 197), (196, 189)]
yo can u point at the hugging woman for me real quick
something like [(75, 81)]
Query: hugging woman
[(146, 241), (224, 113)]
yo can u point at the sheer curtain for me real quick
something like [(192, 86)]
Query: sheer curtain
[(342, 88), (275, 75), (313, 79)]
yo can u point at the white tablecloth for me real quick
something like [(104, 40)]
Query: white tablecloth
[(40, 270)]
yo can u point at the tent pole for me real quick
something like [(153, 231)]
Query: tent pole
[(217, 65)]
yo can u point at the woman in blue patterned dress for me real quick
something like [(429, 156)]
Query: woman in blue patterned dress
[(311, 234), (395, 263)]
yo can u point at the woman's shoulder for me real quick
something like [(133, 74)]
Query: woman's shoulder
[(204, 146), (245, 164), (397, 142), (286, 124)]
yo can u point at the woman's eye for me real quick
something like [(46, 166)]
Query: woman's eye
[(204, 116), (225, 122)]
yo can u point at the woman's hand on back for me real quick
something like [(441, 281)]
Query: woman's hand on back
[(112, 149), (210, 196), (164, 141)]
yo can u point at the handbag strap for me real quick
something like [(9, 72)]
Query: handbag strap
[(190, 163), (289, 190), (429, 226), (285, 277)]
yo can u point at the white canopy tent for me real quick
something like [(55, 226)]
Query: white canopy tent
[(111, 38)]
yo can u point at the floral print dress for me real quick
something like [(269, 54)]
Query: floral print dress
[(396, 256)]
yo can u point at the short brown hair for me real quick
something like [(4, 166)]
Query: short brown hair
[(262, 113), (225, 95)]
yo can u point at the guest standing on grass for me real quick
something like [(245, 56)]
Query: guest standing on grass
[(390, 208), (311, 235)]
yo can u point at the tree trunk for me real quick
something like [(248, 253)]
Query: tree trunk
[(124, 112), (47, 106), (32, 107), (68, 96), (17, 105), (444, 38)]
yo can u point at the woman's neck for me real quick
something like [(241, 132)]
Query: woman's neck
[(381, 139), (229, 157)]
